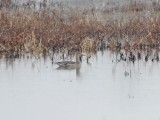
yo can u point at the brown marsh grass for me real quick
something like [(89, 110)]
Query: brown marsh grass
[(62, 28)]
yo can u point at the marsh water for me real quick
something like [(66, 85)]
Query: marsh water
[(102, 89)]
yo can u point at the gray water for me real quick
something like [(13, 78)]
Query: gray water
[(36, 90)]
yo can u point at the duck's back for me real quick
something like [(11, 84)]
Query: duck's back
[(66, 63)]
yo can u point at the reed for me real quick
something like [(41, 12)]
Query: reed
[(56, 27)]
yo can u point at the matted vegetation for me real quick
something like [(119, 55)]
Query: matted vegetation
[(60, 28)]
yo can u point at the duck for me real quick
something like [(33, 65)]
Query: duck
[(71, 64)]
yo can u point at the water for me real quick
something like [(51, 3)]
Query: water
[(36, 90)]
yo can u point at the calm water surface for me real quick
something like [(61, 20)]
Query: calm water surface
[(36, 90)]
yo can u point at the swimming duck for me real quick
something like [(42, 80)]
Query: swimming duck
[(71, 64)]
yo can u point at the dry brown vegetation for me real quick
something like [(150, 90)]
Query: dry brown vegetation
[(63, 28)]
